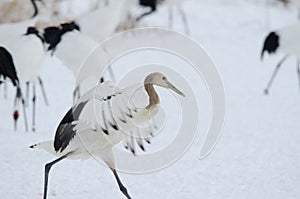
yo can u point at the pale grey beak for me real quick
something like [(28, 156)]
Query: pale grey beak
[(176, 90)]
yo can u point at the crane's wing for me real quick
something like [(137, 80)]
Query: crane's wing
[(107, 110), (65, 131), (117, 115)]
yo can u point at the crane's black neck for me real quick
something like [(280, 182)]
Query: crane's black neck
[(36, 10)]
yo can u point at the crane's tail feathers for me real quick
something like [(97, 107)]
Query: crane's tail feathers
[(47, 146)]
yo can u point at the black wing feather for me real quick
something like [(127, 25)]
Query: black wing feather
[(7, 67), (65, 133)]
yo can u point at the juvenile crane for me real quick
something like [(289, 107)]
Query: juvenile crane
[(101, 119)]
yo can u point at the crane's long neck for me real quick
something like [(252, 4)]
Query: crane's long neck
[(153, 96)]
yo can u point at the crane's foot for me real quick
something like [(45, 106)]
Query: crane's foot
[(266, 91)]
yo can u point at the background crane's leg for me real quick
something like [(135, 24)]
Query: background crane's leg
[(19, 96), (27, 94), (274, 74), (121, 186), (184, 21), (298, 72), (5, 89), (33, 107), (25, 115), (171, 17), (47, 170), (43, 90)]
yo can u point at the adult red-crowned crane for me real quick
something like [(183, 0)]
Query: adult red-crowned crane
[(285, 40), (152, 4), (61, 40), (101, 119), (28, 53)]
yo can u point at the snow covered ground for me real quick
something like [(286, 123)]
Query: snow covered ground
[(256, 157)]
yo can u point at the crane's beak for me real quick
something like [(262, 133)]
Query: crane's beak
[(176, 90)]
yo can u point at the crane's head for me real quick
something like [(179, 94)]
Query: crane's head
[(271, 44), (160, 80)]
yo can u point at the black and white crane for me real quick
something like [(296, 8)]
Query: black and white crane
[(285, 40), (27, 52), (68, 38), (101, 119)]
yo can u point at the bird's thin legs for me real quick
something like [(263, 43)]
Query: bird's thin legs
[(19, 96), (298, 72), (184, 21), (47, 170), (170, 17), (43, 90), (121, 186), (33, 107), (27, 93), (274, 74), (5, 90), (25, 115)]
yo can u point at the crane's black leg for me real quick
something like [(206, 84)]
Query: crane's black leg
[(121, 186), (5, 90), (170, 17), (47, 170), (298, 72), (43, 90), (184, 21), (27, 93), (33, 107), (274, 74), (19, 96)]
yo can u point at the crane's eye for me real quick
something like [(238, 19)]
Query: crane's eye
[(164, 78)]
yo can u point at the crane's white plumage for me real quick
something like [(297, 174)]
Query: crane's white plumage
[(289, 38), (28, 54), (80, 46), (101, 23)]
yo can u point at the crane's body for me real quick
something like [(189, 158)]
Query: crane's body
[(27, 52), (102, 118)]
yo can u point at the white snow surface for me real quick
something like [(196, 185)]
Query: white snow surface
[(256, 157)]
